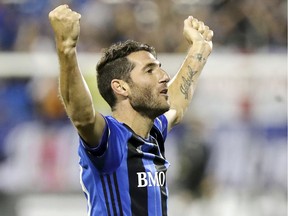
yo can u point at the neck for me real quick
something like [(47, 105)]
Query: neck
[(140, 124)]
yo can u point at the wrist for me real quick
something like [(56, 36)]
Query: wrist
[(66, 46), (200, 48)]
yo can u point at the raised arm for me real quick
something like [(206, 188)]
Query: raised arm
[(73, 88), (182, 86)]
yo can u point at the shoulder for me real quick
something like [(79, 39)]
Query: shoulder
[(160, 127), (161, 123), (114, 125)]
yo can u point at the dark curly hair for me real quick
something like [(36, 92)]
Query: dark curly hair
[(114, 64)]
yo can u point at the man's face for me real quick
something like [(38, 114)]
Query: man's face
[(148, 86)]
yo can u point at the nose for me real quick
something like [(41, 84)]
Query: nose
[(165, 77)]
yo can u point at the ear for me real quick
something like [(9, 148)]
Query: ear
[(119, 87)]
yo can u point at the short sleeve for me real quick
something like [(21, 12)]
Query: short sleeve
[(107, 156), (101, 147)]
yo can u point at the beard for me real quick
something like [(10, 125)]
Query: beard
[(146, 103)]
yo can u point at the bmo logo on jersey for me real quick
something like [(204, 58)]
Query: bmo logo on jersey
[(149, 180)]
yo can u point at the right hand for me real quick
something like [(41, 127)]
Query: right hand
[(66, 26)]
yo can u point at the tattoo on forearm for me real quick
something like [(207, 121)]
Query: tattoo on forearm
[(199, 57), (187, 82)]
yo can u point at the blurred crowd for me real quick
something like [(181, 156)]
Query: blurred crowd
[(241, 25)]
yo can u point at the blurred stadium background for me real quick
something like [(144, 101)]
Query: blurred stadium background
[(228, 158)]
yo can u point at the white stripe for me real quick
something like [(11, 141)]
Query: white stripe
[(85, 191), (160, 122)]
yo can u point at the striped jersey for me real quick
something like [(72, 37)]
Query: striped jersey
[(125, 174)]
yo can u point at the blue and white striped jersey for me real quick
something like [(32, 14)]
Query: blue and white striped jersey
[(126, 174)]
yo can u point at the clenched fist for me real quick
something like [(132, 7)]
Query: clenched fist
[(66, 26), (196, 31)]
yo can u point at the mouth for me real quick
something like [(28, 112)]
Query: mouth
[(164, 92)]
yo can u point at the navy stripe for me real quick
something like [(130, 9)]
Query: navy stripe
[(118, 194), (105, 194), (163, 189), (139, 195), (111, 195), (160, 140), (160, 167)]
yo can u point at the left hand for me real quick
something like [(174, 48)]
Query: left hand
[(196, 31)]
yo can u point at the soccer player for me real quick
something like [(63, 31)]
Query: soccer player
[(122, 156)]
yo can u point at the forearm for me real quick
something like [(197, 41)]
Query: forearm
[(183, 84), (73, 88)]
